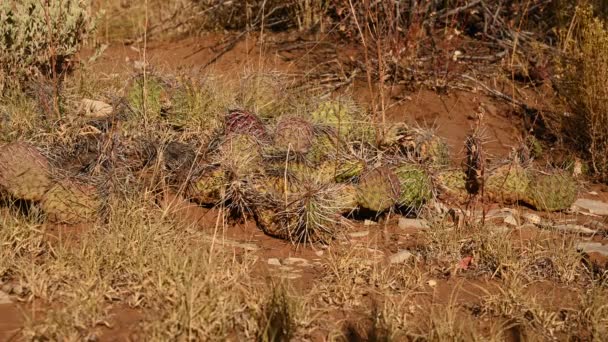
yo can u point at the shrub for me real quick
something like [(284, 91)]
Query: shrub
[(582, 84), (40, 37)]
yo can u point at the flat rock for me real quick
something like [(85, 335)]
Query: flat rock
[(231, 243), (295, 261), (5, 298), (360, 234), (593, 247), (591, 206), (401, 257), (413, 223), (574, 228), (533, 218), (274, 262), (511, 220), (369, 223)]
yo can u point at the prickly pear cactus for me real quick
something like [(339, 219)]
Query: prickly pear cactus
[(326, 146), (24, 171), (335, 114), (452, 183), (416, 186), (378, 189), (508, 183), (240, 155), (243, 122), (294, 134), (432, 150), (71, 202), (347, 199), (269, 222), (552, 192), (209, 187)]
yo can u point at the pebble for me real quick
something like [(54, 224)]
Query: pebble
[(369, 223), (533, 218), (511, 220), (274, 262), (413, 223), (432, 283), (319, 253), (401, 257), (295, 261), (590, 206), (360, 234)]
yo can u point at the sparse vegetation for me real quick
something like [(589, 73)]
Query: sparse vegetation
[(305, 187)]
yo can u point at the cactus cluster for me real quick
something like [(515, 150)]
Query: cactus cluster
[(24, 172), (68, 201)]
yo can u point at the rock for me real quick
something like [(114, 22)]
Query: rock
[(295, 261), (413, 223), (574, 228), (231, 243), (369, 223), (4, 298), (290, 276), (593, 193), (274, 262), (18, 290), (500, 213), (592, 247), (591, 206), (95, 109), (319, 253), (360, 234), (401, 257), (432, 283), (533, 218), (511, 220)]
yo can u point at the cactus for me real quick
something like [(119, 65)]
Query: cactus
[(326, 146), (348, 169), (294, 134), (239, 121), (240, 155), (209, 188), (453, 184), (508, 183), (336, 115), (71, 202), (419, 144), (432, 150), (552, 192), (24, 171), (378, 189), (416, 187)]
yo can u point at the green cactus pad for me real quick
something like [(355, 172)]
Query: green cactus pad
[(24, 171), (240, 155), (416, 187), (294, 134), (208, 188), (508, 183), (452, 183), (552, 192), (378, 189)]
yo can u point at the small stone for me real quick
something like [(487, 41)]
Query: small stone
[(591, 206), (500, 213), (533, 218), (4, 298), (360, 234), (574, 228), (593, 193), (95, 109), (592, 247), (291, 276), (369, 223), (511, 220), (401, 257), (274, 262), (18, 290), (413, 223), (319, 253), (295, 261), (432, 283)]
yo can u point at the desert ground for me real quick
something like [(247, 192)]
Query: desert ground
[(301, 171)]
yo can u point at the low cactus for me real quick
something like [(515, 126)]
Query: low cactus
[(378, 189), (552, 192), (508, 183), (24, 171), (240, 155), (209, 187), (71, 202), (294, 134), (243, 122), (453, 184), (416, 187)]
